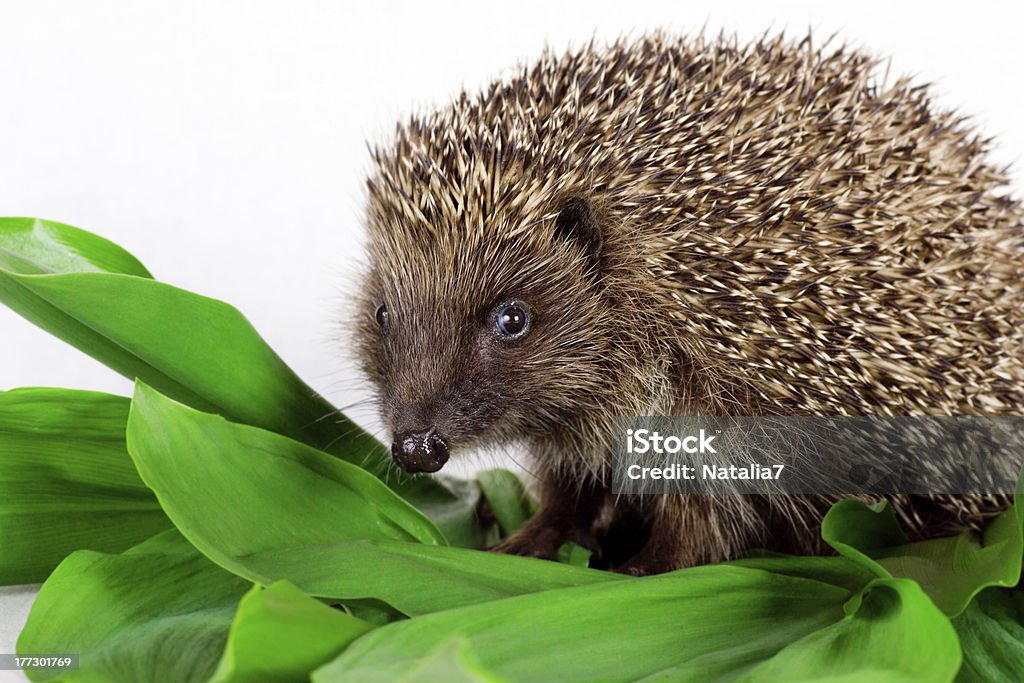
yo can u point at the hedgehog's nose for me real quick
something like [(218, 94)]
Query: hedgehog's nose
[(420, 451)]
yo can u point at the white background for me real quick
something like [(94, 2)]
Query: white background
[(224, 143)]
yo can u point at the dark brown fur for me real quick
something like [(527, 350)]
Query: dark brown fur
[(698, 227)]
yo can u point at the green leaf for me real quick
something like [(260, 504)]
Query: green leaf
[(950, 570), (413, 578), (31, 246), (991, 633), (857, 531), (507, 498), (707, 623), (838, 571), (452, 661), (196, 350), (157, 612), (323, 524), (892, 632), (279, 635), (570, 553), (230, 477), (201, 351), (451, 504), (66, 481)]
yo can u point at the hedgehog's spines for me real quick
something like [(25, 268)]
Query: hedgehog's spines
[(781, 233)]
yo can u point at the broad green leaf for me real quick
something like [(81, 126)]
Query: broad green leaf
[(279, 635), (66, 481), (197, 350), (452, 661), (835, 570), (99, 298), (507, 499), (31, 246), (892, 632), (991, 633), (707, 623), (413, 578), (323, 524), (228, 476), (570, 553), (451, 504), (856, 530), (157, 612), (951, 570)]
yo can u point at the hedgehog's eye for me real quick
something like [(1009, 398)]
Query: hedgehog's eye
[(512, 319), (381, 316)]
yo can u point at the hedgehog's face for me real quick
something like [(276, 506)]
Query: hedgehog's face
[(486, 340)]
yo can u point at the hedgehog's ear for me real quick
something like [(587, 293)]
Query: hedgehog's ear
[(576, 224)]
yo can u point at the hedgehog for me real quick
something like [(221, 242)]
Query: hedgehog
[(671, 225)]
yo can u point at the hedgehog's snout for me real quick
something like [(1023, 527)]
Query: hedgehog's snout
[(420, 451)]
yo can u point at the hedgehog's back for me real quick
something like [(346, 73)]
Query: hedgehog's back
[(823, 242), (842, 246)]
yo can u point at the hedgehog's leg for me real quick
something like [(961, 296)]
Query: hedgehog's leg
[(690, 530), (663, 552), (567, 513)]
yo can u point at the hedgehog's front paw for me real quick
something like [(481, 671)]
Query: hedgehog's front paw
[(641, 569), (650, 561), (531, 542)]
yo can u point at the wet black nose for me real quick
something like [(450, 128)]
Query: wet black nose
[(420, 451)]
